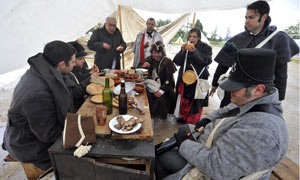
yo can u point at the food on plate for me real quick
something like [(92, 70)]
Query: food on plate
[(139, 88), (124, 125), (130, 100), (95, 68), (93, 89), (97, 98), (189, 46)]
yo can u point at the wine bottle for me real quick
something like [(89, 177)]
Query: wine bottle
[(107, 96), (122, 99)]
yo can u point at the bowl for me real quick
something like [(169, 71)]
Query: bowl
[(140, 88), (129, 86)]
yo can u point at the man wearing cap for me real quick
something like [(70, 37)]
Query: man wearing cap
[(81, 70), (108, 44), (78, 79), (39, 105), (257, 29), (144, 41), (247, 137)]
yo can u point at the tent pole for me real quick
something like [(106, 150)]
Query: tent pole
[(194, 18), (120, 20)]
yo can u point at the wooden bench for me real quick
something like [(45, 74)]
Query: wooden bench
[(285, 170), (31, 171)]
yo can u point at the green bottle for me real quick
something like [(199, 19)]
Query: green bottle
[(107, 96)]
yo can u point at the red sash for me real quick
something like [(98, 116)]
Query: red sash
[(142, 53)]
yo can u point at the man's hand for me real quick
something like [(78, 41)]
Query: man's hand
[(183, 47), (146, 44), (95, 74), (146, 65), (119, 48), (106, 46), (157, 94), (212, 91), (201, 124), (180, 137)]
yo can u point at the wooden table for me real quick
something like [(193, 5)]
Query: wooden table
[(113, 156)]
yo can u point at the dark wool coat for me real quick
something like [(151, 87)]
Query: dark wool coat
[(37, 113), (284, 46), (77, 91), (165, 104), (104, 58), (199, 59), (81, 73)]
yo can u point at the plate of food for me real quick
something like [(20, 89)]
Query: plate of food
[(125, 124)]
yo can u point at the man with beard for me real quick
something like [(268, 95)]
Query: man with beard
[(144, 41), (108, 44), (39, 106), (257, 29), (161, 71), (246, 138)]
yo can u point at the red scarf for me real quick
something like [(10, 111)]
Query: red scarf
[(142, 53)]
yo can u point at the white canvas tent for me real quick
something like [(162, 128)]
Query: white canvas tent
[(26, 26)]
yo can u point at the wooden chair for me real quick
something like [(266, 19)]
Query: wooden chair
[(32, 172)]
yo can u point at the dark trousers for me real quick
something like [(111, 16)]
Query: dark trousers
[(226, 100), (171, 161)]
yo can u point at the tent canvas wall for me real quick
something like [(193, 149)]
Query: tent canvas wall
[(26, 26)]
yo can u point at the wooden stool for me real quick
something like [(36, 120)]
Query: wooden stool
[(286, 170), (32, 172)]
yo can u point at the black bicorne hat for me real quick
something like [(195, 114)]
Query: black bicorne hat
[(253, 66), (79, 49)]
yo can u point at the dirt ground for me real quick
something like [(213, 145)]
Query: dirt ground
[(166, 128)]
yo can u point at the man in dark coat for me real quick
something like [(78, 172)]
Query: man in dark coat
[(108, 44), (81, 70), (161, 69), (78, 79), (39, 105), (256, 30)]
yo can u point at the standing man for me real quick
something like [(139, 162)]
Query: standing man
[(144, 41), (39, 105), (108, 44), (257, 29), (248, 137)]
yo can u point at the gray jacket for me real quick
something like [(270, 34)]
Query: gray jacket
[(37, 113), (243, 144)]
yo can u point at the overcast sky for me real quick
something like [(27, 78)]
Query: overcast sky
[(284, 13)]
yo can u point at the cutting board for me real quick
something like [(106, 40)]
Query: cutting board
[(89, 109)]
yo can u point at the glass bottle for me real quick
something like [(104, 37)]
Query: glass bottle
[(122, 99), (107, 96)]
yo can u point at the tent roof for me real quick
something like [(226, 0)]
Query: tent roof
[(26, 26)]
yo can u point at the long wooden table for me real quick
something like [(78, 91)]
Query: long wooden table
[(114, 156), (146, 131)]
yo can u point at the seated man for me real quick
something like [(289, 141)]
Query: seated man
[(39, 106), (160, 70), (81, 70), (78, 79), (251, 138)]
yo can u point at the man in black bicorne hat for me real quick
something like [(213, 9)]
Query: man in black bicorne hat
[(248, 137)]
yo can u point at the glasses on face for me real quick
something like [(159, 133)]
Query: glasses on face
[(112, 25)]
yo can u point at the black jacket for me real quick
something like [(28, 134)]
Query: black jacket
[(77, 90), (284, 46), (104, 58), (37, 113)]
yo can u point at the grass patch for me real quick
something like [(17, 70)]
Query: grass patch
[(217, 43), (295, 59)]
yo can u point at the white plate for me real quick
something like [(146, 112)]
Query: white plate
[(129, 86), (141, 69), (114, 121)]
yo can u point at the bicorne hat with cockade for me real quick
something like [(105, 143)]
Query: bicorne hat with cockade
[(253, 66)]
